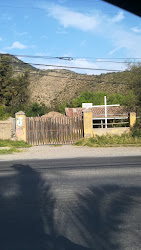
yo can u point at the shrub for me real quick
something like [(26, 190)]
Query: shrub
[(3, 113), (109, 140), (35, 109), (136, 130)]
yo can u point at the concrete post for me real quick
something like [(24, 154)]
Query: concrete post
[(88, 124), (20, 126), (132, 119)]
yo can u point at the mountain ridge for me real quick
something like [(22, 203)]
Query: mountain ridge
[(52, 87)]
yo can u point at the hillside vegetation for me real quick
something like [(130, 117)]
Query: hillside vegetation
[(23, 85), (51, 87), (54, 87)]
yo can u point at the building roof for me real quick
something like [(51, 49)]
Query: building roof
[(98, 111)]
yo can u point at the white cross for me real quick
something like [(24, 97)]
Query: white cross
[(105, 105)]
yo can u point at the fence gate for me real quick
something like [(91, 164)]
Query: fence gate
[(59, 130)]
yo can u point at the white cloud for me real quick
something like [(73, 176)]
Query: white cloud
[(83, 63), (89, 67), (119, 17), (17, 45), (129, 41), (98, 66), (3, 52), (136, 29), (121, 37), (111, 29), (23, 33), (114, 50), (69, 18)]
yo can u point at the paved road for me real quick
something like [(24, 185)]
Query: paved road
[(89, 203)]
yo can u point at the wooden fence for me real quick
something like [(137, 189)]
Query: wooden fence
[(59, 130)]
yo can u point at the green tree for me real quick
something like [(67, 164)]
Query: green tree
[(5, 76), (135, 82), (136, 130), (61, 107), (4, 115), (20, 93), (35, 110), (128, 100), (97, 98), (13, 90)]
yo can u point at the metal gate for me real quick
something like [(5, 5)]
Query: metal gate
[(59, 130)]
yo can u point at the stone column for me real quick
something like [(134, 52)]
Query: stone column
[(132, 119), (20, 126), (88, 124)]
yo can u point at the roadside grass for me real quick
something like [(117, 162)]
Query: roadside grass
[(124, 140), (9, 147)]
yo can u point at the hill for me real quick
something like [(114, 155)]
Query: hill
[(18, 65), (52, 87)]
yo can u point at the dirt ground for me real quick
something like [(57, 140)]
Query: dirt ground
[(70, 151)]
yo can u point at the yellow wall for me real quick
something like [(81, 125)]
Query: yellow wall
[(5, 130), (132, 119), (87, 120), (111, 131), (89, 131)]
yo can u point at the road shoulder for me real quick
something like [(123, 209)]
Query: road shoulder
[(70, 151)]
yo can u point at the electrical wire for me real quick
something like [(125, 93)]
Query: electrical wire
[(66, 58), (97, 60), (61, 66), (73, 67), (43, 73)]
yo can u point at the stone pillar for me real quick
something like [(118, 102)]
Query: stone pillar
[(20, 126), (88, 124), (132, 119)]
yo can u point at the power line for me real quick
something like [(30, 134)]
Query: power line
[(107, 58), (109, 61), (43, 73), (72, 67), (62, 66), (66, 58), (96, 59)]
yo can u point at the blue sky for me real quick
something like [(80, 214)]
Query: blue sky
[(92, 32)]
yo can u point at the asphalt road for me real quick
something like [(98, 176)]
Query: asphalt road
[(66, 204)]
